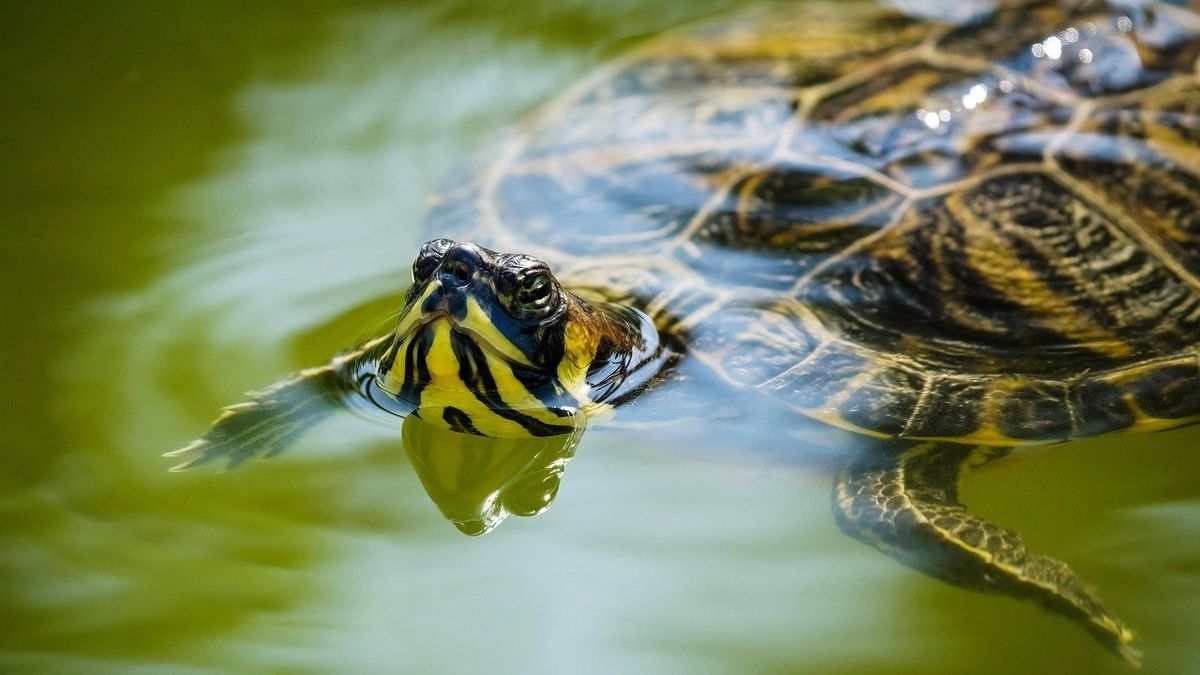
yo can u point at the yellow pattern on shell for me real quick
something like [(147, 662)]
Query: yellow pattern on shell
[(993, 258)]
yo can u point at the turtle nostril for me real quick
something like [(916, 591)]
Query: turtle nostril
[(455, 273)]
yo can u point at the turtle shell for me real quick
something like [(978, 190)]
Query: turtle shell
[(986, 229)]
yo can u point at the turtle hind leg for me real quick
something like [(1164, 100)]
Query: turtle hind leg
[(906, 505)]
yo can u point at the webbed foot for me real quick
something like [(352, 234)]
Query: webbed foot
[(906, 505), (267, 423)]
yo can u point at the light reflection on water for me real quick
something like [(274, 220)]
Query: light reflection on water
[(664, 552)]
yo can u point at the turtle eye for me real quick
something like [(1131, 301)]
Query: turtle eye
[(536, 296), (429, 257)]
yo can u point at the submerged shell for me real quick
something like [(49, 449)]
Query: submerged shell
[(986, 231)]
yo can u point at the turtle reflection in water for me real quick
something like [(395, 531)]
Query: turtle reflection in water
[(943, 236), (477, 481)]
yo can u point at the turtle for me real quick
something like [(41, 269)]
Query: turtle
[(944, 234)]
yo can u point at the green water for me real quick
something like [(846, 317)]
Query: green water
[(200, 197)]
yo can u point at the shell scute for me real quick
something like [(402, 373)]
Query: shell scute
[(588, 208), (1147, 160), (817, 383), (1098, 408), (1171, 392), (951, 408), (1035, 412), (774, 225), (883, 400), (1089, 50), (749, 345)]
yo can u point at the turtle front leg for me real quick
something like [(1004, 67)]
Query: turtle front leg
[(906, 505), (274, 418)]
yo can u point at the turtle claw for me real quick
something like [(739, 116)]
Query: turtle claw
[(243, 406), (190, 447)]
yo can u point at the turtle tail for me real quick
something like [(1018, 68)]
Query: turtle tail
[(906, 505)]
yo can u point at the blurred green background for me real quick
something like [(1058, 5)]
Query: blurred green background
[(198, 197)]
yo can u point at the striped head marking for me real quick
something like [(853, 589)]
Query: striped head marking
[(492, 344)]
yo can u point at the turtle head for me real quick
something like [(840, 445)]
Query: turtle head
[(493, 344)]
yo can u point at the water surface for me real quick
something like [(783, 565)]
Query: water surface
[(199, 198)]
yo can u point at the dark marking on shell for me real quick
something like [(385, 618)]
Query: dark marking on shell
[(1118, 155), (951, 409), (885, 402), (778, 224), (1098, 408), (1035, 412), (1172, 392)]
